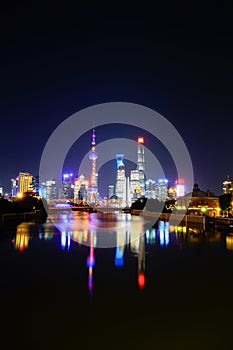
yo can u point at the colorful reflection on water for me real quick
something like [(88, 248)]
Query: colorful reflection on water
[(149, 281), (78, 229)]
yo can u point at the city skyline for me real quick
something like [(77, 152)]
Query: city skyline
[(80, 187), (179, 66), (126, 188)]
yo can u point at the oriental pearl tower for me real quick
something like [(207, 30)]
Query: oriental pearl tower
[(93, 188)]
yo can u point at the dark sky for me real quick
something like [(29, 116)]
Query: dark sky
[(56, 60)]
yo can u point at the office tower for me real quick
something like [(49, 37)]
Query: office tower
[(150, 189), (141, 164), (110, 191), (35, 184), (51, 189), (1, 191), (14, 186), (42, 189), (80, 189), (180, 189), (83, 193), (120, 178), (161, 189), (24, 183), (135, 184), (93, 189), (67, 186)]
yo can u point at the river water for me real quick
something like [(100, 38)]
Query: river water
[(82, 281)]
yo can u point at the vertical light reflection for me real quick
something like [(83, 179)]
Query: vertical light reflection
[(163, 231), (21, 241), (68, 241), (161, 238), (229, 242), (141, 263), (166, 233), (120, 241), (119, 260), (91, 262), (63, 240)]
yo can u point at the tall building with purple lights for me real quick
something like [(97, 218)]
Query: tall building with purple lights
[(93, 188)]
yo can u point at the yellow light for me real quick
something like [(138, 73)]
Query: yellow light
[(203, 209), (19, 195), (229, 242)]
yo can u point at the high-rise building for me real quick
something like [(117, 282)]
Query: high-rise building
[(120, 178), (161, 189), (80, 189), (83, 193), (141, 164), (42, 189), (110, 191), (14, 186), (135, 184), (35, 184), (123, 188), (67, 186), (51, 189), (150, 191), (93, 188), (24, 183)]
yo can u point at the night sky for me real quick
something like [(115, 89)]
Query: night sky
[(58, 60)]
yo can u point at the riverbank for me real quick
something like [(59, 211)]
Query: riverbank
[(206, 222), (11, 220)]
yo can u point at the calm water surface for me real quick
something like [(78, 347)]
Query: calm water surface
[(165, 289)]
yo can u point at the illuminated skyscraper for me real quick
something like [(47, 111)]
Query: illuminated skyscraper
[(135, 184), (93, 189), (150, 191), (14, 186), (24, 182), (123, 190), (141, 164), (161, 189), (67, 186), (51, 189), (120, 178), (110, 191), (80, 189), (35, 183)]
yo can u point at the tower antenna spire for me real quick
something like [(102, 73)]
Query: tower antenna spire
[(93, 189)]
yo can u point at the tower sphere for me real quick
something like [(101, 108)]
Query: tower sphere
[(93, 155)]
